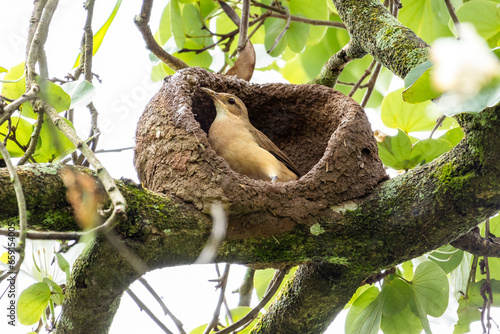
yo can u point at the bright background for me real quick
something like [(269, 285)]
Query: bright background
[(123, 65)]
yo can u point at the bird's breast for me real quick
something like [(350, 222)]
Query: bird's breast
[(232, 140)]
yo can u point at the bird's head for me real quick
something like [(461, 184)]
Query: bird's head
[(228, 104)]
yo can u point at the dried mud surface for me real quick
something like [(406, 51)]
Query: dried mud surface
[(325, 133)]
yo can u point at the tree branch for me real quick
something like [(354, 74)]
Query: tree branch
[(142, 23)]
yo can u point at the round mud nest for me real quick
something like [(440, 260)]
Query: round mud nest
[(325, 133)]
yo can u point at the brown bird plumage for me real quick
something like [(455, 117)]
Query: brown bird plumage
[(247, 150)]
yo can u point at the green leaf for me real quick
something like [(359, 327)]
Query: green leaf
[(426, 150), (164, 30), (416, 73), (405, 322), (53, 94), (3, 69), (274, 27), (54, 142), (421, 90), (394, 297), (447, 257), (207, 7), (359, 292), (297, 36), (63, 264), (451, 104), (193, 26), (238, 313), (365, 314), (199, 329), (430, 288), (425, 19), (467, 312), (21, 130), (176, 24), (454, 136), (81, 92), (57, 295), (395, 151), (99, 35), (408, 117), (408, 270), (203, 59), (484, 15), (32, 302), (313, 9), (17, 88)]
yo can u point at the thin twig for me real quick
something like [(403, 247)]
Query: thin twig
[(12, 107), (115, 150), (142, 306), (454, 17), (39, 38), (35, 135), (142, 23), (271, 290), (162, 305), (222, 285), (245, 15), (439, 122), (23, 216), (38, 235), (282, 33), (298, 18), (371, 85), (368, 71), (293, 18)]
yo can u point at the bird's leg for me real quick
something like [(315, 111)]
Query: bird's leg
[(274, 178)]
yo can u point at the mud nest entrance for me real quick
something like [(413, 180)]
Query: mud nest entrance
[(325, 133)]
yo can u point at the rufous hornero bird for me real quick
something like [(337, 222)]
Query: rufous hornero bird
[(247, 150)]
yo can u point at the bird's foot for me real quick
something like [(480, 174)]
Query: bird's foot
[(274, 178)]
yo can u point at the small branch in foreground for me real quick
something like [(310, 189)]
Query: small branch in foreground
[(371, 85), (117, 199), (23, 216), (162, 305), (271, 290), (142, 306), (222, 285), (12, 107), (245, 15), (142, 23), (33, 140), (368, 71), (454, 17), (282, 33)]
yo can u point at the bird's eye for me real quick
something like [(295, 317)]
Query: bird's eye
[(231, 101)]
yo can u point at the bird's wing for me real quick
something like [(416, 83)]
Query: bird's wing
[(266, 143)]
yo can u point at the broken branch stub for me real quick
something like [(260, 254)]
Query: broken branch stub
[(325, 133)]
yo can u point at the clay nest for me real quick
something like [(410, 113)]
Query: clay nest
[(325, 133)]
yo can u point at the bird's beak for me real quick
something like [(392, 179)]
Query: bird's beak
[(210, 92)]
